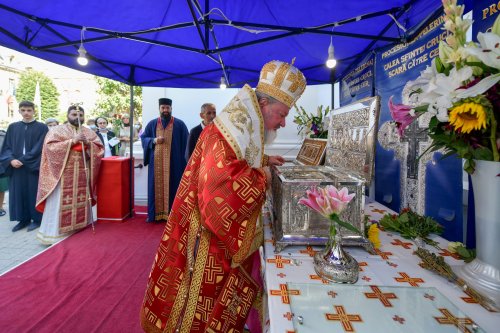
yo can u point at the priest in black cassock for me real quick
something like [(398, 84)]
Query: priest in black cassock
[(20, 159), (164, 143)]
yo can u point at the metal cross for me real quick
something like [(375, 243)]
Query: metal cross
[(413, 135)]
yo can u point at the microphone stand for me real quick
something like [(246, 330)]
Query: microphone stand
[(87, 184)]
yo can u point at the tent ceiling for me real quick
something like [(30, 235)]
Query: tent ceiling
[(194, 43)]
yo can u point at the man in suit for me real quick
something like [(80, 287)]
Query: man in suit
[(207, 115)]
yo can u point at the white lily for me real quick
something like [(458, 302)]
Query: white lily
[(442, 91), (457, 56), (445, 51), (489, 50), (479, 87), (428, 74)]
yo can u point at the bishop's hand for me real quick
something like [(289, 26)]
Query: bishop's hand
[(276, 160)]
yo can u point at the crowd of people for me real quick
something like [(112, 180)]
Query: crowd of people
[(207, 184), (27, 150)]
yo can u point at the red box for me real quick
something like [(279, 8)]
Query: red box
[(114, 189)]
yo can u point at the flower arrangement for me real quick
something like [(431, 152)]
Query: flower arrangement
[(330, 202), (313, 125), (460, 93)]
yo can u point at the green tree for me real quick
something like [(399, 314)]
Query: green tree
[(114, 100), (49, 95)]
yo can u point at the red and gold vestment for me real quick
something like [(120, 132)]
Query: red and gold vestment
[(203, 278), (63, 162)]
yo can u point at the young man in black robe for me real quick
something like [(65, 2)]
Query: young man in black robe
[(20, 158)]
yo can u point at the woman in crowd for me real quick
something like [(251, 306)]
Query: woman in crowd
[(124, 135), (106, 136)]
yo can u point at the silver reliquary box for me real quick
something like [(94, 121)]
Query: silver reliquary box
[(349, 162)]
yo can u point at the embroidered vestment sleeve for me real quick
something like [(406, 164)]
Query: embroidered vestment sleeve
[(231, 194)]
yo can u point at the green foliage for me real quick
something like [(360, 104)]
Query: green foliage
[(335, 218), (411, 225), (49, 95), (466, 254), (114, 100)]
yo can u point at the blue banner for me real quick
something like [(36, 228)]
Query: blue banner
[(484, 14), (358, 83), (428, 185)]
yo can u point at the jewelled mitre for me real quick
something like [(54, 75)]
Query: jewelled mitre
[(282, 81)]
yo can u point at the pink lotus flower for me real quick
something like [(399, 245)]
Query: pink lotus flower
[(330, 202), (402, 115), (327, 201)]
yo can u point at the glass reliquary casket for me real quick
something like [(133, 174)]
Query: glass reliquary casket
[(349, 162)]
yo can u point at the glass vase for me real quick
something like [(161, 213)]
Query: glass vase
[(334, 264)]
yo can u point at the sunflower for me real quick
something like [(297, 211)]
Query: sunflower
[(468, 116)]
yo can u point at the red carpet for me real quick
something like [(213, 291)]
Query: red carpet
[(141, 210), (87, 283)]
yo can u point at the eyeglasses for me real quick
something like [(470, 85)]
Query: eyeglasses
[(102, 123)]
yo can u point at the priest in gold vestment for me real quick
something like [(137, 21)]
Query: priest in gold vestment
[(205, 277), (66, 190)]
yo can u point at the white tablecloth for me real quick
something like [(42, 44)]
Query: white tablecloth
[(394, 265)]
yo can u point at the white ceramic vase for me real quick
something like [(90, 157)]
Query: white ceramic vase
[(483, 273)]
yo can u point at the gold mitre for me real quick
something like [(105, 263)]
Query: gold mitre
[(282, 81)]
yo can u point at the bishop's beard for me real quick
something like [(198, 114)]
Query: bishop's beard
[(270, 136)]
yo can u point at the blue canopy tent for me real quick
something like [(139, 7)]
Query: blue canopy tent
[(195, 43)]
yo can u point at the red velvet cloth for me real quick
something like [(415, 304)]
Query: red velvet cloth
[(113, 189), (87, 283)]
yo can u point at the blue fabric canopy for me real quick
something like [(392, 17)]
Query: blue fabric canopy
[(194, 43)]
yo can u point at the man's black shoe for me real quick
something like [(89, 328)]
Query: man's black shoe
[(32, 226), (19, 226)]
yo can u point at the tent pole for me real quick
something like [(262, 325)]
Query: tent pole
[(131, 175)]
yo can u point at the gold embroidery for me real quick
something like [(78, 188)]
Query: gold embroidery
[(242, 115), (237, 115), (251, 152), (282, 81), (162, 170), (268, 68), (280, 74), (229, 138), (297, 82), (201, 258), (276, 93), (243, 252), (232, 308), (265, 160)]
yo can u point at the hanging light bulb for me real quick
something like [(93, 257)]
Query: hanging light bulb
[(82, 56), (331, 62), (82, 53), (223, 84)]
